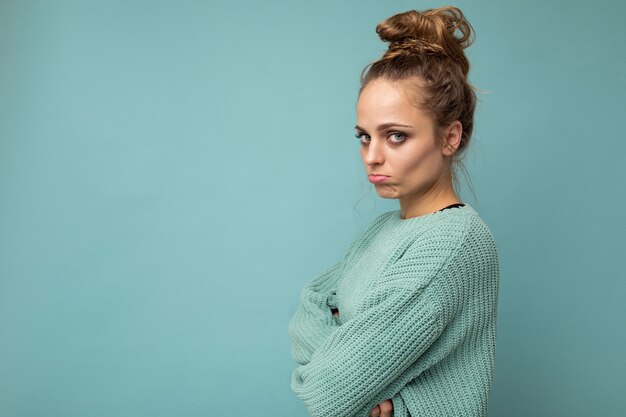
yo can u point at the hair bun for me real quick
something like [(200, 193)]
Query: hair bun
[(431, 31)]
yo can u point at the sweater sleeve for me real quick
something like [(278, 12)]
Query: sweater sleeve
[(313, 320), (399, 407), (369, 358)]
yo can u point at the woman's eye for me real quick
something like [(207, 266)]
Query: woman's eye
[(362, 137), (398, 136)]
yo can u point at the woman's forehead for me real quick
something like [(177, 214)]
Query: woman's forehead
[(382, 99)]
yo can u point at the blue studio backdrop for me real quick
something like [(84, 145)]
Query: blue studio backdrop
[(173, 172)]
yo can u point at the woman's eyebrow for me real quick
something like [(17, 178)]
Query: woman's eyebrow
[(385, 126)]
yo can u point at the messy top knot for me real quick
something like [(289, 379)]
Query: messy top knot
[(426, 54), (428, 32)]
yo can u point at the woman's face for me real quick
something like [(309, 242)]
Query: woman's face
[(398, 142)]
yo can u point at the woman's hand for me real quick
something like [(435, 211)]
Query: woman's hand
[(384, 409)]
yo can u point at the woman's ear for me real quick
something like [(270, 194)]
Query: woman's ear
[(452, 138)]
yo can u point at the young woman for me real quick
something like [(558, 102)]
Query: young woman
[(405, 323)]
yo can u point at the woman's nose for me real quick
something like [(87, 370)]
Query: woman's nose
[(374, 153)]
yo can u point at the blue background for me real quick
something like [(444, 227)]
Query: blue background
[(173, 172)]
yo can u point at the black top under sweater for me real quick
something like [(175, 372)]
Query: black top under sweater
[(452, 205)]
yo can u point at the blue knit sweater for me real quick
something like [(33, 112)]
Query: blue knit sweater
[(417, 301)]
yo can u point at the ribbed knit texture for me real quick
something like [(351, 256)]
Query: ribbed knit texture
[(417, 301)]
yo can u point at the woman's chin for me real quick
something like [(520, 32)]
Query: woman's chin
[(386, 192)]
